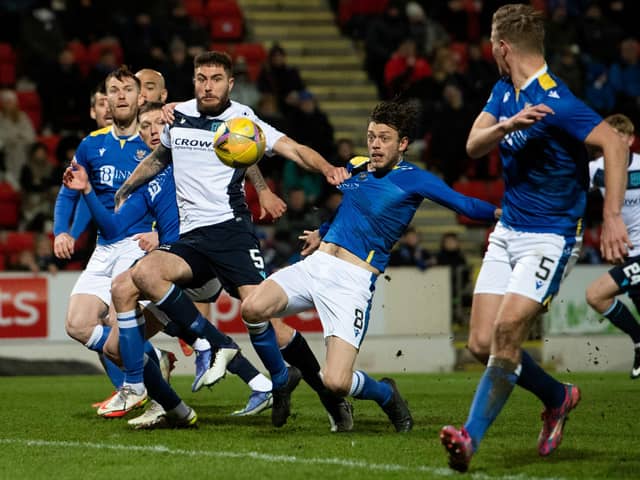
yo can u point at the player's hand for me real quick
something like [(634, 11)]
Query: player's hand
[(497, 213), (63, 245), (75, 177), (528, 116), (311, 240), (167, 113), (336, 175), (271, 204), (614, 241), (147, 241)]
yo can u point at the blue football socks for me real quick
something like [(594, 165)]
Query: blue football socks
[(533, 378), (364, 387), (492, 393), (263, 338), (131, 325)]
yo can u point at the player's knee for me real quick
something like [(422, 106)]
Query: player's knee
[(337, 384), (143, 275), (252, 310), (595, 299), (122, 287), (77, 328), (480, 346)]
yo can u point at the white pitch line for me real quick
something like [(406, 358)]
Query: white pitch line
[(341, 462)]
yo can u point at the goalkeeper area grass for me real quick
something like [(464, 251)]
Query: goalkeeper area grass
[(49, 430)]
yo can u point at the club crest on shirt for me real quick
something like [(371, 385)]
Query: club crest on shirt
[(362, 176), (140, 154)]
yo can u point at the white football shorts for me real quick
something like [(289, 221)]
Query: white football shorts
[(526, 263), (106, 263), (340, 292)]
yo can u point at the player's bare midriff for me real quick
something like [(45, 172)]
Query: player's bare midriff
[(346, 255)]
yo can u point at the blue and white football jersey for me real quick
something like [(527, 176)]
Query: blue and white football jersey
[(208, 191), (545, 166), (377, 207), (109, 161), (631, 206), (156, 197)]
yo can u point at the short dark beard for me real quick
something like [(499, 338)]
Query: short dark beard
[(213, 112), (122, 124)]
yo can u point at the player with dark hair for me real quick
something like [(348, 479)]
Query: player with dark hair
[(624, 278), (379, 200), (541, 129), (217, 236), (110, 155)]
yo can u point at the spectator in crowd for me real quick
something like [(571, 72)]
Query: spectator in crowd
[(40, 259), (405, 68), (244, 90), (624, 76), (300, 216), (427, 33), (189, 31), (449, 135), (63, 95), (280, 79), (451, 255), (41, 40), (409, 252), (383, 36), (568, 67), (106, 64), (38, 174), (597, 34), (560, 31), (310, 125), (481, 74), (345, 151), (267, 109), (178, 72), (16, 135), (599, 93)]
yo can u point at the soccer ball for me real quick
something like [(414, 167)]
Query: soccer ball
[(239, 142)]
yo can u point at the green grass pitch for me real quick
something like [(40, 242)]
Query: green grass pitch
[(48, 430)]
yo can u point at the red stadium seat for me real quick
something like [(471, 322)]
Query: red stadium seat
[(473, 188), (29, 101), (227, 28), (252, 52), (19, 241), (81, 56), (51, 141), (9, 206), (7, 74), (461, 52), (229, 48), (194, 8), (96, 49), (223, 8), (7, 53)]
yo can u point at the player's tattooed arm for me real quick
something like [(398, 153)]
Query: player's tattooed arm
[(270, 203), (255, 177), (148, 168)]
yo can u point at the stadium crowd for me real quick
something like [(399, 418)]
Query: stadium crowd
[(53, 53)]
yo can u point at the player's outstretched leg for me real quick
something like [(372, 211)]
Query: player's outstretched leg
[(385, 393), (298, 353)]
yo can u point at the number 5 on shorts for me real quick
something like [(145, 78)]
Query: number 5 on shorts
[(256, 256)]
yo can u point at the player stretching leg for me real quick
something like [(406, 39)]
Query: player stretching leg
[(346, 257), (541, 129)]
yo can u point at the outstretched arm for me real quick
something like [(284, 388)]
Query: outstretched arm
[(146, 169), (309, 159)]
